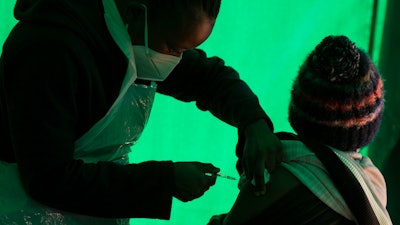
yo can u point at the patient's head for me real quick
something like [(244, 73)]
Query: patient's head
[(337, 97)]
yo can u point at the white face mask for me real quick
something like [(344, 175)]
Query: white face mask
[(152, 65)]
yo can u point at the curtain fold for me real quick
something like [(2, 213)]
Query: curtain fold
[(385, 150)]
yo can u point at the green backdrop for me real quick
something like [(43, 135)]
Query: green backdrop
[(266, 41)]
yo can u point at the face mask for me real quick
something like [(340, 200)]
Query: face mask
[(152, 65)]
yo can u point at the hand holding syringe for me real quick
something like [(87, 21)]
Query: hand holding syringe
[(221, 175)]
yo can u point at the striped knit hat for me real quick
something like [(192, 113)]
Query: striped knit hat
[(337, 97)]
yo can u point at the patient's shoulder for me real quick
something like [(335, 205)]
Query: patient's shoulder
[(248, 205)]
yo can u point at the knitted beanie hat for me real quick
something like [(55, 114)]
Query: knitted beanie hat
[(337, 97)]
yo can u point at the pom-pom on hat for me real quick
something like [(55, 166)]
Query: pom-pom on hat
[(337, 97)]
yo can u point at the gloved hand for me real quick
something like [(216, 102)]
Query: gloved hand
[(191, 181), (217, 219), (262, 149)]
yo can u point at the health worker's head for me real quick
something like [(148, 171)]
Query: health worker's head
[(173, 26)]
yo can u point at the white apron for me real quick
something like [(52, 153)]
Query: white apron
[(109, 139)]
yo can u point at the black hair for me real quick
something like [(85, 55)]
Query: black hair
[(210, 7)]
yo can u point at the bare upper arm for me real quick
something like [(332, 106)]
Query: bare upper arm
[(247, 205)]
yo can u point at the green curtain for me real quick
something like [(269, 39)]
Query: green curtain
[(266, 42), (385, 150), (7, 19)]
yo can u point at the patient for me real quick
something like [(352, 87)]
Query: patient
[(337, 100)]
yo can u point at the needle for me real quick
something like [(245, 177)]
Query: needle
[(221, 175)]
